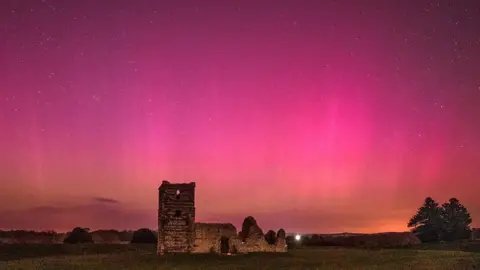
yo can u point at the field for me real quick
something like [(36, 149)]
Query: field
[(143, 257)]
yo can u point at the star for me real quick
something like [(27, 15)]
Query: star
[(330, 93)]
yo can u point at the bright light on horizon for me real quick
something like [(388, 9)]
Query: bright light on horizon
[(298, 237)]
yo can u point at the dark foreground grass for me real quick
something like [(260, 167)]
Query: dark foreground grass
[(143, 257), (22, 251)]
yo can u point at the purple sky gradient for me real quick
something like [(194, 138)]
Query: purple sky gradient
[(315, 116)]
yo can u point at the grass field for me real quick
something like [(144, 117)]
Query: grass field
[(143, 257)]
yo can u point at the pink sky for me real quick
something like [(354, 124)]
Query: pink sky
[(314, 117)]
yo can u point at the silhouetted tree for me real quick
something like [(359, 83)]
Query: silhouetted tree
[(78, 236), (427, 223), (271, 237), (145, 236), (456, 220), (314, 240), (291, 243), (449, 222), (126, 236)]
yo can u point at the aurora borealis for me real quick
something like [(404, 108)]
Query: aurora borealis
[(314, 116)]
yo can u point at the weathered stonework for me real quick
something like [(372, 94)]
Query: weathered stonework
[(178, 232), (280, 241), (176, 218), (214, 237), (252, 239)]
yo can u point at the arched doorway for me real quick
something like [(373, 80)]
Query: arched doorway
[(224, 244)]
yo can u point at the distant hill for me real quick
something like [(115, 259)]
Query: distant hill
[(326, 234)]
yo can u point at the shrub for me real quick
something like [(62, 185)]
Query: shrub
[(291, 243), (78, 236), (145, 236), (125, 236)]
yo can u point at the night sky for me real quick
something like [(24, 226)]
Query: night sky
[(314, 116)]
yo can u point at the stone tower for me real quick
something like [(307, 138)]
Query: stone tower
[(176, 217)]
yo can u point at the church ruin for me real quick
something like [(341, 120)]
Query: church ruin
[(179, 233)]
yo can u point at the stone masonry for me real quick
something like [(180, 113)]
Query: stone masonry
[(176, 218), (178, 232), (214, 237)]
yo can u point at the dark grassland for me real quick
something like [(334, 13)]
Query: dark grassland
[(98, 256)]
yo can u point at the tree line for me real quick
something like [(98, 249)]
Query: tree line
[(447, 222), (79, 235), (431, 223), (82, 235)]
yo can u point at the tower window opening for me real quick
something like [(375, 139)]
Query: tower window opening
[(178, 213)]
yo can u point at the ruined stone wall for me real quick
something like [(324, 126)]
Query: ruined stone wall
[(252, 239), (178, 232), (208, 236), (257, 245), (176, 218)]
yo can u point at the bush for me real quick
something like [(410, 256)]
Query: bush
[(125, 236), (144, 236), (78, 236), (291, 243)]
